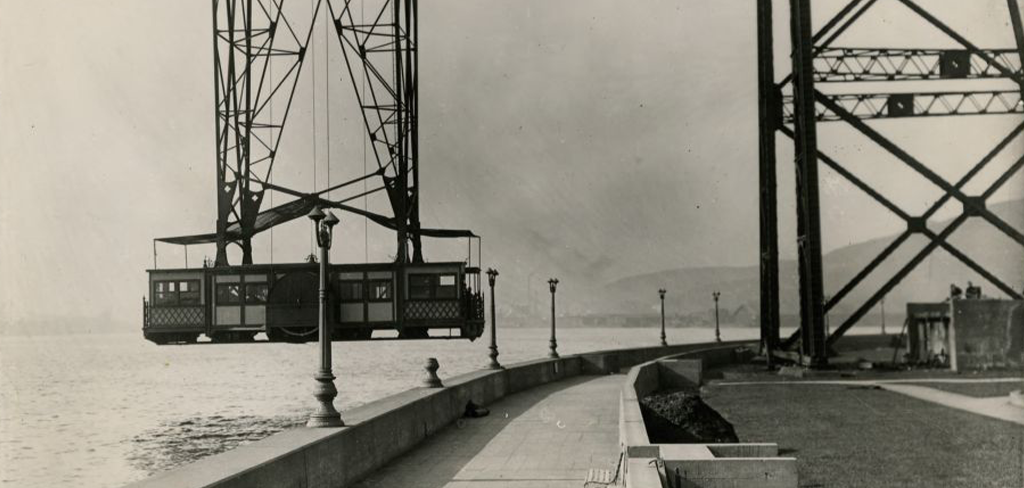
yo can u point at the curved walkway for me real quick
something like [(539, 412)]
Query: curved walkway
[(548, 436)]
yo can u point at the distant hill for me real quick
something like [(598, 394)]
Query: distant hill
[(690, 288), (632, 301)]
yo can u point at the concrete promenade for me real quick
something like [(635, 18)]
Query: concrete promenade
[(545, 437)]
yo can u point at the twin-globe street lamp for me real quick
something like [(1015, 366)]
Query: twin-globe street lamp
[(552, 285), (325, 391), (718, 333), (661, 294), (492, 275)]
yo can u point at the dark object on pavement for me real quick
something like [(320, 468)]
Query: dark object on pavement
[(475, 411)]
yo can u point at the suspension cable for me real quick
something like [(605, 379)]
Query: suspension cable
[(327, 95), (312, 54), (327, 101), (270, 176), (366, 221)]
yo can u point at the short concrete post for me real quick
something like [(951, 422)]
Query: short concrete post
[(432, 380)]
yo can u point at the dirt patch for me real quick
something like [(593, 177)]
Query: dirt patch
[(682, 417)]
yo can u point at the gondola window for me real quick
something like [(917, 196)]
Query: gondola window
[(446, 287), (229, 294), (176, 292), (188, 292), (256, 293), (420, 286), (432, 287), (351, 291), (380, 291), (165, 293)]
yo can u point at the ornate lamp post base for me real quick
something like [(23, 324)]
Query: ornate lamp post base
[(553, 354), (325, 414)]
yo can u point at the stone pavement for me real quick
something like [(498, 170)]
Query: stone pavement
[(545, 437)]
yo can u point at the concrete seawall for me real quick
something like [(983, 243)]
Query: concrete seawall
[(380, 431)]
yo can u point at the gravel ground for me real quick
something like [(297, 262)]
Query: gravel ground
[(848, 436)]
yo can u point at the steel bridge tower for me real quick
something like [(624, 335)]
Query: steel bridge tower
[(245, 38), (259, 53), (796, 114)]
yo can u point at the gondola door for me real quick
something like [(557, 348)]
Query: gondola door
[(292, 306)]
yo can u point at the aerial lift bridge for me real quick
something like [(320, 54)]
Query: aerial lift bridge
[(260, 49)]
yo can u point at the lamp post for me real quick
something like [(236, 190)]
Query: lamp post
[(492, 275), (718, 332), (553, 284), (661, 294), (325, 391)]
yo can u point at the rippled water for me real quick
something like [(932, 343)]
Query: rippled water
[(104, 410)]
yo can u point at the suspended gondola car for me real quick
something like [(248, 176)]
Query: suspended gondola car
[(232, 303)]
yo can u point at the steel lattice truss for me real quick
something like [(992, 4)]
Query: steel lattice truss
[(870, 64), (378, 40), (248, 35), (903, 105), (259, 53), (796, 114)]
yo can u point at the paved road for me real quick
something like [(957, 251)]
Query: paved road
[(546, 437)]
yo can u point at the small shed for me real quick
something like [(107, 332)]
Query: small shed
[(928, 333), (966, 333)]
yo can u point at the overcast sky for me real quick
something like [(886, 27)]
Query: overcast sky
[(587, 138)]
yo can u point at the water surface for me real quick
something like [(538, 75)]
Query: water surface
[(106, 409)]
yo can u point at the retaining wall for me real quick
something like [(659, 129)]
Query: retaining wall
[(647, 465), (988, 333), (380, 431)]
